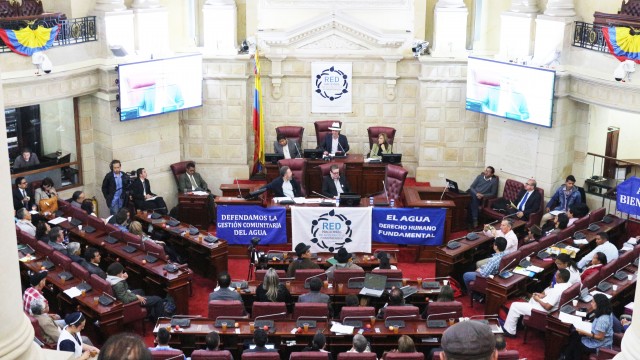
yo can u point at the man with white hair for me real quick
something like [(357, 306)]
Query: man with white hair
[(24, 222)]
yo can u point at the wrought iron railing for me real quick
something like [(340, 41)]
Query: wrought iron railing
[(71, 31), (589, 36)]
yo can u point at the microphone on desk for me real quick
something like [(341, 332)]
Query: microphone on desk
[(453, 244), (488, 316), (504, 268), (269, 315), (343, 150), (239, 192), (508, 216), (315, 276), (151, 257), (317, 193), (133, 245), (445, 189), (356, 319), (155, 215), (386, 193), (389, 319), (110, 239), (523, 262), (604, 286), (305, 317), (430, 315), (297, 149), (571, 309)]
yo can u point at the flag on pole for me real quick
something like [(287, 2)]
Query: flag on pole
[(258, 119)]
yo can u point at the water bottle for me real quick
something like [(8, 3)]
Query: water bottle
[(370, 200), (337, 201), (393, 202)]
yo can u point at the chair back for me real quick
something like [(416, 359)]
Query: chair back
[(326, 168), (78, 271), (389, 273), (310, 309), (547, 241), (60, 260), (611, 266), (37, 330), (304, 274), (166, 354), (566, 232), (298, 168), (401, 311), (261, 273), (232, 308), (528, 249), (350, 311), (309, 355), (403, 356), (26, 238), (374, 131), (507, 260), (569, 293), (272, 355), (261, 308), (100, 285), (43, 248), (95, 222), (625, 259), (444, 308), (582, 223), (592, 280), (293, 133), (154, 249), (537, 320), (178, 169), (322, 129), (597, 215), (511, 189), (394, 178), (133, 240), (342, 276), (357, 356), (211, 355), (508, 355)]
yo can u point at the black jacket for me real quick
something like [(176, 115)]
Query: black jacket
[(17, 199), (276, 187), (532, 205), (342, 140), (109, 187), (329, 186), (137, 191)]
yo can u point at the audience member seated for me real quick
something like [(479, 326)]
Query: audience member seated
[(576, 211), (490, 267), (360, 344), (260, 339), (136, 229), (598, 260), (56, 240), (318, 344), (505, 231), (564, 261), (501, 343), (289, 149), (534, 233), (484, 186), (87, 206), (162, 341), (40, 311), (24, 222), (625, 321), (272, 290), (405, 345), (284, 185), (22, 194), (191, 180), (560, 223), (120, 220), (303, 261), (446, 295), (601, 335), (37, 281), (384, 259), (143, 197), (546, 301), (381, 147), (92, 259), (528, 200), (25, 159), (335, 142), (335, 183), (223, 292), (468, 340), (77, 198), (396, 298), (212, 342), (344, 259), (314, 295), (124, 346), (603, 246), (74, 252), (117, 277), (71, 340), (562, 200), (45, 192), (42, 231)]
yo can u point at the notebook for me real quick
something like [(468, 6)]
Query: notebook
[(374, 285)]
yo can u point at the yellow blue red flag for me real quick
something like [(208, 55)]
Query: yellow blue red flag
[(258, 119), (27, 41), (622, 43)]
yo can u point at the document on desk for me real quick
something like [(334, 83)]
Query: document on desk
[(580, 242), (73, 292), (341, 329), (598, 292), (57, 220), (200, 193), (575, 321), (151, 198), (535, 269)]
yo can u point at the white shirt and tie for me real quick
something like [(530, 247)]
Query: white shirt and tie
[(193, 182), (338, 186), (523, 202), (285, 151)]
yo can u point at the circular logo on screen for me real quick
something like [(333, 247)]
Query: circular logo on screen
[(331, 231), (332, 83)]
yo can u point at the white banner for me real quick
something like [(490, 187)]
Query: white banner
[(331, 87), (329, 229)]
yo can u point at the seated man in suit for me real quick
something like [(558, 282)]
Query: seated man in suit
[(142, 195), (289, 148), (26, 158), (56, 239), (563, 199), (528, 200), (314, 295), (24, 222), (285, 184), (484, 185), (260, 339), (191, 180), (335, 141), (223, 292), (92, 263), (334, 184), (22, 195)]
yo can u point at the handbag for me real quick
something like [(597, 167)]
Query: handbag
[(49, 205)]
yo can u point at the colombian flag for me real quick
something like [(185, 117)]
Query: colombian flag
[(27, 41), (622, 43), (258, 119)]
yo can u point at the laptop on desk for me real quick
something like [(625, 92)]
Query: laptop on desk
[(452, 186), (374, 285)]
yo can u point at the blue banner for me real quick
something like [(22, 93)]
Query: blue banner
[(239, 224), (417, 226), (628, 196)]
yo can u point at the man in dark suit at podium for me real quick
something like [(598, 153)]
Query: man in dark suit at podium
[(335, 141), (334, 184)]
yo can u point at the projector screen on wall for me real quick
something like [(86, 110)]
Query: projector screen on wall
[(160, 86), (511, 91)]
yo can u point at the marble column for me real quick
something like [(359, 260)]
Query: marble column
[(450, 29), (109, 5), (631, 341), (524, 6), (517, 30), (564, 8), (220, 27), (450, 4), (145, 4), (151, 23)]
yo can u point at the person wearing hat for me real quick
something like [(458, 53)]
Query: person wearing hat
[(116, 276), (384, 262), (71, 340), (344, 259), (335, 141), (303, 261), (37, 281), (469, 340)]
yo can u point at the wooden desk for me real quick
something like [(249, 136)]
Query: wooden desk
[(231, 190), (453, 262), (321, 259), (194, 209)]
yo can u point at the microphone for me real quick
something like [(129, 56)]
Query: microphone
[(524, 259), (239, 192), (603, 280), (314, 276), (430, 315), (297, 149), (269, 315), (570, 300), (152, 257), (317, 193), (389, 319), (385, 191), (132, 244), (443, 190), (325, 318), (488, 316), (110, 239), (508, 216), (343, 150), (504, 268), (356, 320)]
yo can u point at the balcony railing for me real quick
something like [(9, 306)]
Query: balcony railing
[(589, 36), (71, 31)]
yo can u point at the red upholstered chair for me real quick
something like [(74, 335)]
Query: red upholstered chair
[(43, 248), (294, 133), (60, 260), (133, 240), (570, 293), (342, 276), (38, 333), (479, 285), (403, 356), (8, 9), (581, 223), (260, 274), (309, 355), (166, 354), (269, 308), (566, 233), (179, 168), (401, 311), (79, 272), (444, 308), (508, 355), (304, 274), (310, 309), (357, 356), (298, 168), (211, 355), (230, 308), (322, 129), (326, 168), (261, 356), (537, 320), (597, 215), (25, 238), (154, 249), (374, 131), (389, 273), (610, 268), (592, 280), (530, 249), (535, 217), (626, 258), (357, 311), (132, 312), (509, 193), (30, 8), (394, 177), (96, 223), (547, 241)]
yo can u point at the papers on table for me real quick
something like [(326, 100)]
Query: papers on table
[(57, 220), (598, 292), (522, 271), (575, 321), (580, 242), (151, 198), (556, 212), (200, 193), (73, 292), (338, 328), (535, 269), (297, 200), (372, 160), (33, 212)]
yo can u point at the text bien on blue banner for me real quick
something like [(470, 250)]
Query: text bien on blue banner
[(239, 224), (628, 196), (408, 226)]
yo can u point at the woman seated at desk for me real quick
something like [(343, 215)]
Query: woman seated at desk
[(601, 334), (381, 147)]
